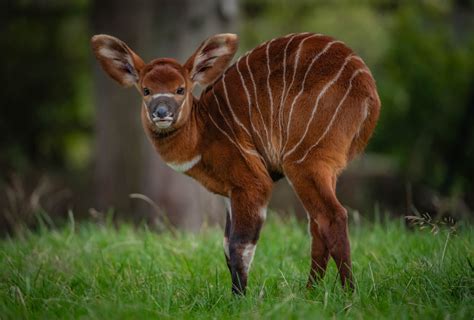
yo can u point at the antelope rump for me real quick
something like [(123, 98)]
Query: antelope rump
[(299, 106)]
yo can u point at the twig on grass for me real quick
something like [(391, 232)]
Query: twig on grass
[(165, 222)]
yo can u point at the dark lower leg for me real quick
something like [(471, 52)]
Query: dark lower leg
[(335, 233), (319, 255), (332, 222), (247, 220), (226, 238), (241, 255)]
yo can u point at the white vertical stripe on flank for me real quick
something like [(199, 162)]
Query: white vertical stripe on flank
[(280, 111), (249, 102), (297, 59), (225, 119), (235, 142), (295, 67), (225, 133), (355, 74), (230, 107), (222, 114), (365, 66), (269, 90), (295, 98), (256, 100), (365, 114), (321, 94)]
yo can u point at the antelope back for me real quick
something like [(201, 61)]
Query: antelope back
[(294, 97)]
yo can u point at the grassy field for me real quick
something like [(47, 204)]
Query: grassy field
[(100, 272)]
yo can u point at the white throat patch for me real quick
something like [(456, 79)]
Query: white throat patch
[(184, 166)]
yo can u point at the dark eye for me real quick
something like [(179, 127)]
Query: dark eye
[(180, 91), (146, 91)]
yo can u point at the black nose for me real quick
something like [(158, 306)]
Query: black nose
[(160, 112)]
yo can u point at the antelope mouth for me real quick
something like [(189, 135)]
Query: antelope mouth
[(163, 123)]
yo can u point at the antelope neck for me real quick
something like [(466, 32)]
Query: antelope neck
[(182, 144)]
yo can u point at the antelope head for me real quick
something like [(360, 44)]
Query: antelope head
[(165, 85)]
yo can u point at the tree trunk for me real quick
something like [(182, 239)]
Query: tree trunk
[(125, 162)]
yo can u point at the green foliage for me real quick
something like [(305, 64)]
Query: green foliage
[(433, 69), (46, 114), (422, 56), (101, 272)]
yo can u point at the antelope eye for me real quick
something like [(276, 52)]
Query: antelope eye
[(180, 91), (146, 91)]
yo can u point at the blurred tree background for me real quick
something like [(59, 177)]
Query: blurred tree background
[(71, 139)]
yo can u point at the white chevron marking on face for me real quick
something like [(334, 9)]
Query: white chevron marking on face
[(157, 95)]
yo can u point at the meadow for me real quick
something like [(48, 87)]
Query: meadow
[(95, 271)]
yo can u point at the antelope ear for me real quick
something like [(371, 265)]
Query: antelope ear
[(117, 59), (212, 58)]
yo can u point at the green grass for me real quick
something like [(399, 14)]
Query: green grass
[(99, 272)]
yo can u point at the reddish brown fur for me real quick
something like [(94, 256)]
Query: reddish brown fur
[(244, 143)]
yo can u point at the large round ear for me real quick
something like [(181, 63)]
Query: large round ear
[(117, 59), (212, 58)]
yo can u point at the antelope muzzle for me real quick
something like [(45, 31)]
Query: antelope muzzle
[(162, 111)]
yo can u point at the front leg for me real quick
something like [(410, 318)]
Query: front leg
[(248, 209)]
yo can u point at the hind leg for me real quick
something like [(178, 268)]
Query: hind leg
[(319, 254), (315, 186)]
